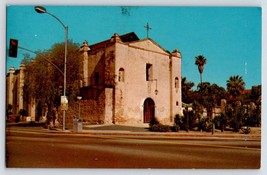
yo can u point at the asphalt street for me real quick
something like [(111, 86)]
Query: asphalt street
[(40, 148)]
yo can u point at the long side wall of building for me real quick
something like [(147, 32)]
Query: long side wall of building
[(92, 111)]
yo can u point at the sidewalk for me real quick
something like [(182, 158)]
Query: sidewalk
[(137, 130)]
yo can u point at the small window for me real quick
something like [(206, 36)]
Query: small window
[(149, 72), (121, 75), (176, 84)]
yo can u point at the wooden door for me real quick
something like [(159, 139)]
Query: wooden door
[(149, 110)]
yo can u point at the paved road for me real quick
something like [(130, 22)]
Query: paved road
[(26, 148)]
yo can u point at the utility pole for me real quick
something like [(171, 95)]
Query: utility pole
[(41, 10)]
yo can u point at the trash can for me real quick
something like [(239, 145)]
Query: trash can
[(77, 125)]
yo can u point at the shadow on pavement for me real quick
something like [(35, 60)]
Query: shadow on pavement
[(117, 128)]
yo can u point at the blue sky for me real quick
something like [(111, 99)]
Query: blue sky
[(229, 37)]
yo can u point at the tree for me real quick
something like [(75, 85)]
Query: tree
[(255, 95), (189, 120), (9, 109), (200, 62), (186, 87), (198, 113), (235, 86), (238, 117), (207, 97), (210, 95), (255, 117), (42, 79)]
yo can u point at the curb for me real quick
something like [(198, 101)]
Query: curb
[(156, 134), (122, 133)]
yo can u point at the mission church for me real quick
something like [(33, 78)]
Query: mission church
[(126, 80), (131, 80)]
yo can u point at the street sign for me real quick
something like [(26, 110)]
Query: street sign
[(64, 103)]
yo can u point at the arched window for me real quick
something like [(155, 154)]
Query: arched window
[(121, 75), (176, 84)]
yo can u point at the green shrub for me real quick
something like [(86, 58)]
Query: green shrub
[(202, 124), (175, 128), (236, 125), (153, 121), (23, 112), (245, 130), (17, 119), (205, 124), (9, 109), (160, 128), (209, 125), (177, 120), (11, 118), (177, 123)]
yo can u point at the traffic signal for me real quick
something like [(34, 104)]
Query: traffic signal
[(13, 48)]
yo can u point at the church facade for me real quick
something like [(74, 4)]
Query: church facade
[(130, 81)]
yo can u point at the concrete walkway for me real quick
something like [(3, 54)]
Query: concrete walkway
[(143, 130), (136, 130)]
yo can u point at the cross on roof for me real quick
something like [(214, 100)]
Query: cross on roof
[(147, 29)]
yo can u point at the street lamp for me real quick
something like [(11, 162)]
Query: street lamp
[(156, 90), (40, 9)]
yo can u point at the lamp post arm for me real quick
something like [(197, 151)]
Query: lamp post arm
[(66, 49), (57, 19), (43, 58)]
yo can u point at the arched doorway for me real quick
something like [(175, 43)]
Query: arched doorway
[(149, 110)]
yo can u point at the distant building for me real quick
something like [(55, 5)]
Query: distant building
[(14, 91)]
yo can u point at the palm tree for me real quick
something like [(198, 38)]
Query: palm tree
[(235, 85), (200, 62)]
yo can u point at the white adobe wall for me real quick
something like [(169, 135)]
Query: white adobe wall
[(20, 86), (131, 94), (10, 86), (176, 90)]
